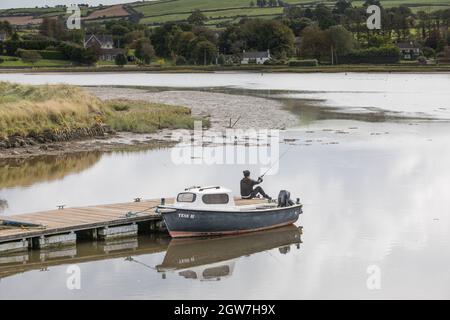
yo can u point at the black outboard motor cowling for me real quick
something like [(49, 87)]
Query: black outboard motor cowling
[(284, 199)]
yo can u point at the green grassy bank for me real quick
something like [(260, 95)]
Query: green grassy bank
[(32, 110)]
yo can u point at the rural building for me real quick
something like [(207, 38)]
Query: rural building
[(3, 36), (255, 57), (105, 44), (409, 50)]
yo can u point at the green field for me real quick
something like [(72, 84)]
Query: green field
[(438, 4), (219, 11), (158, 12), (223, 11)]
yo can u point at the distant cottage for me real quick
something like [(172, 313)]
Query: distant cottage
[(105, 44), (255, 57), (409, 50)]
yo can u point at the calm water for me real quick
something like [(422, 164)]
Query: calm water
[(375, 194)]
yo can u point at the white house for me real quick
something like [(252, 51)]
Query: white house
[(3, 36), (255, 57), (103, 41), (106, 45), (409, 50)]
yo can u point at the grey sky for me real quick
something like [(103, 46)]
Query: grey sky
[(5, 4)]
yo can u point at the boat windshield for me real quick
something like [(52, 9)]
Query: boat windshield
[(186, 197), (219, 198)]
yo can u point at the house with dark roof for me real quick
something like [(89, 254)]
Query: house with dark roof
[(105, 44), (409, 50), (255, 57)]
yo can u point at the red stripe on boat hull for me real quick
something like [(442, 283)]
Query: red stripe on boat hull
[(184, 234)]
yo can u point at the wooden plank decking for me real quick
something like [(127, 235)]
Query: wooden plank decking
[(86, 218)]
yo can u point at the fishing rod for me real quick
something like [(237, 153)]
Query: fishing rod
[(278, 160)]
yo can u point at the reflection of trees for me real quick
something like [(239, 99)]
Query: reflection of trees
[(25, 172), (3, 205)]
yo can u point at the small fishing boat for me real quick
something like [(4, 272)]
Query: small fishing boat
[(210, 211)]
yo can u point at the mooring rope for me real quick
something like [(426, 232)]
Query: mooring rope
[(130, 214)]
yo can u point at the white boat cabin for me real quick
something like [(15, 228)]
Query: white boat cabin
[(205, 198), (213, 199)]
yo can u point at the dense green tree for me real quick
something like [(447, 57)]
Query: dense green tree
[(53, 28), (341, 6), (341, 42), (197, 18), (119, 30), (121, 60), (372, 2), (377, 41), (261, 3), (315, 43), (324, 16), (181, 43), (144, 50), (161, 37), (260, 35), (297, 25), (204, 52), (15, 37), (354, 20), (294, 12), (180, 61), (429, 52), (5, 26)]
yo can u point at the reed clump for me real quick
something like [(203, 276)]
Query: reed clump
[(27, 110)]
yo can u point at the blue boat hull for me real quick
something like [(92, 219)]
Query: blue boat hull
[(191, 223)]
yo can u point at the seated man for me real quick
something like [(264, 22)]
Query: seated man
[(247, 191)]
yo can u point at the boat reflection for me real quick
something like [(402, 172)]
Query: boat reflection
[(213, 259)]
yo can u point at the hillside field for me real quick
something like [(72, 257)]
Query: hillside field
[(158, 12)]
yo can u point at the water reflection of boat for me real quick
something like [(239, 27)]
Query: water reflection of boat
[(214, 258)]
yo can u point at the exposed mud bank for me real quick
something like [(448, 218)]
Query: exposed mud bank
[(49, 137)]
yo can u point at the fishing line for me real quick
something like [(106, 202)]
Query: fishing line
[(278, 160)]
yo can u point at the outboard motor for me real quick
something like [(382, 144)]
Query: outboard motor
[(284, 199)]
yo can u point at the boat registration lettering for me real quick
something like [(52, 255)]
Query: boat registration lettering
[(186, 216)]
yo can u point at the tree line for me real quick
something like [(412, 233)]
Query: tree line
[(336, 34)]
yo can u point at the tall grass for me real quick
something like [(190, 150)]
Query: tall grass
[(142, 117), (27, 110), (31, 110)]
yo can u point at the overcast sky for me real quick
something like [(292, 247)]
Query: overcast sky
[(5, 4)]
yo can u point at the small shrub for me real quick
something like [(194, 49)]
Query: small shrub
[(121, 59), (180, 61), (304, 63), (382, 55), (30, 56)]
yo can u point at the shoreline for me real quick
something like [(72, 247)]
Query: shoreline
[(372, 68), (245, 112)]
